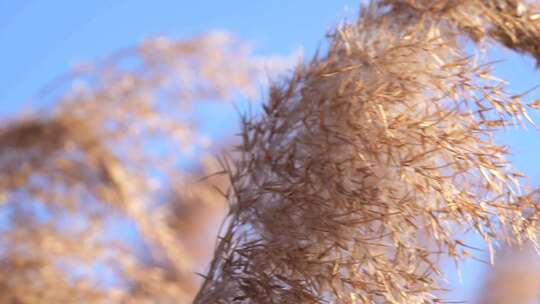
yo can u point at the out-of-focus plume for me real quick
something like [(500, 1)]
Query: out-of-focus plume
[(514, 279), (76, 180)]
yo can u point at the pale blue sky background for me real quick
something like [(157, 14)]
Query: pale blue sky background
[(40, 40)]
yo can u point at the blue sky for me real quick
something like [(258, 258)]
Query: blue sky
[(40, 40)]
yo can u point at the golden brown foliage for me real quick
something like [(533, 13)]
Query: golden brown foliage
[(371, 159)]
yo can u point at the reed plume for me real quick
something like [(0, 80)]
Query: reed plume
[(356, 178), (371, 159)]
